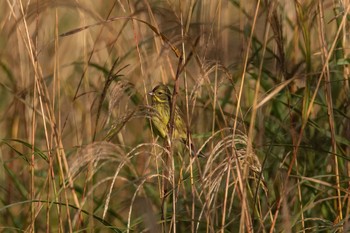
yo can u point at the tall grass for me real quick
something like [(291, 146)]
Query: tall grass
[(263, 86)]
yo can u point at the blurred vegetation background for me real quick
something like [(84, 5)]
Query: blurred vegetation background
[(263, 86)]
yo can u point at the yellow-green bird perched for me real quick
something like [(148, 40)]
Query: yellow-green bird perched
[(161, 102)]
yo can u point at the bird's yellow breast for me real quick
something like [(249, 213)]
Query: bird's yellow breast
[(161, 118)]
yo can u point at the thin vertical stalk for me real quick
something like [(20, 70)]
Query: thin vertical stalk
[(329, 100), (32, 189), (316, 91), (245, 217)]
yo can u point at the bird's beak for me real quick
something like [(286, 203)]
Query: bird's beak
[(151, 93)]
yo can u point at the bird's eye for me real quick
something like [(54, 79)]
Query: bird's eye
[(159, 93)]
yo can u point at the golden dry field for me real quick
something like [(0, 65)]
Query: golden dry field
[(262, 87)]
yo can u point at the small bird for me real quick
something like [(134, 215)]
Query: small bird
[(161, 103)]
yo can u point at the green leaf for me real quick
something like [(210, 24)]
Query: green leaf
[(343, 61), (28, 145), (18, 183)]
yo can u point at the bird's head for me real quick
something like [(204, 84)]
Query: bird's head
[(160, 94)]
